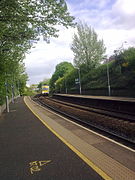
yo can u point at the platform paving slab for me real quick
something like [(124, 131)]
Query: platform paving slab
[(115, 169), (30, 151)]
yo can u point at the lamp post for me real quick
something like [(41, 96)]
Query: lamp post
[(7, 100), (108, 74), (12, 90), (80, 88), (65, 85), (108, 80), (122, 46), (55, 87), (18, 88)]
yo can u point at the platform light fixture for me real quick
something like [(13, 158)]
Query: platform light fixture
[(79, 74)]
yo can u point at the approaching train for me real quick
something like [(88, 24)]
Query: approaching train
[(45, 90)]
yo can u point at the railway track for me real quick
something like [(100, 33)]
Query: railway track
[(117, 124), (120, 115)]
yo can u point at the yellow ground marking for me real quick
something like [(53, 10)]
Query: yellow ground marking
[(42, 163), (34, 163), (82, 156), (34, 169), (34, 166)]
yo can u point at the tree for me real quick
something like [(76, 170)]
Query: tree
[(125, 59), (21, 24), (44, 82), (62, 69), (25, 20), (87, 49)]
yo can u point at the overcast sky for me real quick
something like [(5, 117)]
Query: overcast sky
[(113, 21)]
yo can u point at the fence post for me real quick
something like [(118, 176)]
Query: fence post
[(7, 104)]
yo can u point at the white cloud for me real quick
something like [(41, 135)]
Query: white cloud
[(123, 13), (114, 38), (41, 62), (125, 7), (112, 20)]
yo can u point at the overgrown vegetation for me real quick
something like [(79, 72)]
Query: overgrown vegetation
[(58, 80), (92, 72), (121, 76), (21, 24)]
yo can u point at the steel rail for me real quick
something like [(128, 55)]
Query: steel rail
[(85, 123), (114, 114)]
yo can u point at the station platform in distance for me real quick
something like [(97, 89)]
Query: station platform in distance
[(41, 145), (114, 98)]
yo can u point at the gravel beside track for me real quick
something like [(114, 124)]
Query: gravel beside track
[(116, 126)]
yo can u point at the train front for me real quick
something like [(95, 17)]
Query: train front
[(45, 90)]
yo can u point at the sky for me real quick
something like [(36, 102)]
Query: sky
[(113, 21)]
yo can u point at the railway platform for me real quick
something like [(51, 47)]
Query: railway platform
[(30, 151), (38, 144), (116, 104), (114, 98)]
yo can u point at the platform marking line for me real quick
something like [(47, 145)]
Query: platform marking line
[(76, 151), (122, 145)]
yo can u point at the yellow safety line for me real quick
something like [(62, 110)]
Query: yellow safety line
[(83, 157)]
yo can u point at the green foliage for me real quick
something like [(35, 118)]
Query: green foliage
[(122, 73), (61, 70), (122, 76), (70, 78), (96, 78), (88, 50), (126, 58), (28, 92), (21, 24), (59, 84), (44, 82), (25, 20)]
